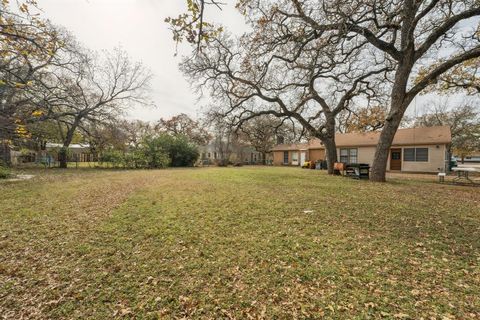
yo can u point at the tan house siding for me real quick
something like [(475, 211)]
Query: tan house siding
[(310, 155), (435, 139), (365, 154), (316, 154), (278, 158), (436, 160), (436, 157)]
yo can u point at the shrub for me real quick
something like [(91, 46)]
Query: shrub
[(135, 160), (154, 152), (5, 172), (114, 157), (182, 152), (178, 150)]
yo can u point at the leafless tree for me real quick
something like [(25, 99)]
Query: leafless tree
[(308, 81), (421, 39), (91, 88), (463, 118), (182, 124), (263, 133)]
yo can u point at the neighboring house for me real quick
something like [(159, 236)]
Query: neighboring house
[(296, 154), (76, 152), (413, 150), (208, 154), (472, 158), (244, 154), (247, 155)]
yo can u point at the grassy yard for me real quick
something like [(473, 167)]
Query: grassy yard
[(236, 243)]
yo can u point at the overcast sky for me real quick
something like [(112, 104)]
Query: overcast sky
[(139, 27)]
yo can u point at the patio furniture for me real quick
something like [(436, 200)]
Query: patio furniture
[(463, 174), (441, 177), (338, 168), (352, 170), (358, 170)]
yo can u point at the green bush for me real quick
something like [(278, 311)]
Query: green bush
[(114, 157), (155, 153), (181, 151), (5, 172), (135, 160)]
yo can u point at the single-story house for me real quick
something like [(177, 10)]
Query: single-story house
[(76, 151), (474, 157), (421, 149), (236, 153)]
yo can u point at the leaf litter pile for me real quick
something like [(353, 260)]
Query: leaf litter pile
[(236, 243)]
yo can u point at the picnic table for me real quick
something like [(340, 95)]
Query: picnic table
[(463, 174)]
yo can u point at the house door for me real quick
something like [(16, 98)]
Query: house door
[(302, 158), (395, 159)]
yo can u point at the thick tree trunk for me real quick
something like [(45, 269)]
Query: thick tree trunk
[(63, 156), (328, 139), (5, 157), (399, 103), (379, 167), (330, 152)]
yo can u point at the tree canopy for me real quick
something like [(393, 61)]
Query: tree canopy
[(414, 43)]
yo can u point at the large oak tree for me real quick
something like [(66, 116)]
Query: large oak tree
[(420, 40), (307, 80)]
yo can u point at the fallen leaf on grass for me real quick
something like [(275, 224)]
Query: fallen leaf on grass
[(401, 316)]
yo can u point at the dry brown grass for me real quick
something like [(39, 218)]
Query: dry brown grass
[(237, 243)]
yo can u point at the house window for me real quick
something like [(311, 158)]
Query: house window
[(215, 155), (409, 154), (415, 154), (294, 156), (349, 155), (353, 155), (421, 154), (344, 155), (285, 157), (209, 155)]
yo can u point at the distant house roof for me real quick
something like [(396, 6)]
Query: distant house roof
[(72, 146), (290, 146), (410, 136)]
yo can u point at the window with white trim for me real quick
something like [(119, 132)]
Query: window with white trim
[(294, 156), (415, 154), (349, 155)]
